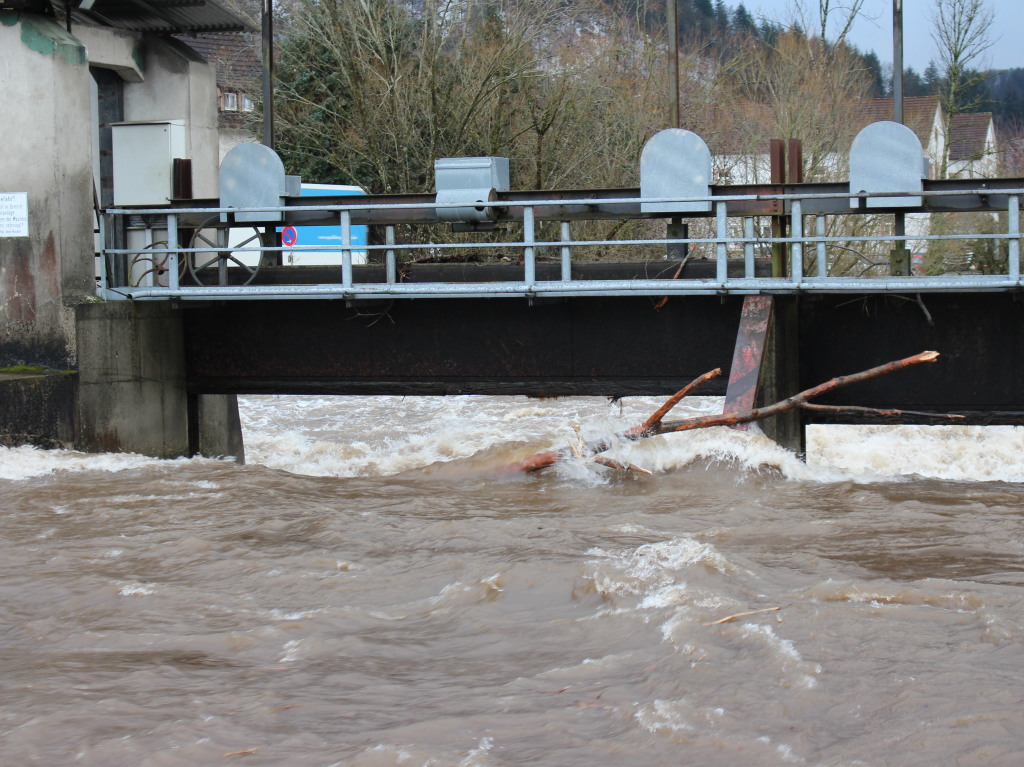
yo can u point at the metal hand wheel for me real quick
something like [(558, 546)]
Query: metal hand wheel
[(210, 267)]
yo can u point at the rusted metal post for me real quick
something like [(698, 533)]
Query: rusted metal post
[(795, 166), (777, 162), (748, 356)]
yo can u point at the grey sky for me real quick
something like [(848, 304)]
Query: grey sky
[(875, 31)]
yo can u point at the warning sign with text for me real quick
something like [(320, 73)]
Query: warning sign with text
[(13, 214)]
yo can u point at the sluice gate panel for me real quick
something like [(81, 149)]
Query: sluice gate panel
[(615, 347)]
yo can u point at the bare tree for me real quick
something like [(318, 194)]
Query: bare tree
[(962, 32)]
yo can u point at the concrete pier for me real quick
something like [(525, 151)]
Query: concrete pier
[(131, 387)]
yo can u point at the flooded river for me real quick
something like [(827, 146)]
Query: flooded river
[(366, 591)]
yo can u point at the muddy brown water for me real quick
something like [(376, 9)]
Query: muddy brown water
[(365, 591)]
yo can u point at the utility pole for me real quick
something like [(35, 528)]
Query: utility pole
[(268, 73), (899, 257), (671, 18)]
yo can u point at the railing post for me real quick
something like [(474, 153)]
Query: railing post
[(566, 253), (749, 270), (721, 233), (172, 258), (529, 252), (390, 262), (819, 247), (796, 266), (1013, 246), (104, 281), (223, 240), (346, 249)]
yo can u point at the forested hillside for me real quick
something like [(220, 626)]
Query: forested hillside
[(371, 92)]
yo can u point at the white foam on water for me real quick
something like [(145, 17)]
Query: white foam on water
[(137, 589), (384, 436), (476, 757), (657, 576), (972, 453), (785, 653), (26, 462), (664, 715)]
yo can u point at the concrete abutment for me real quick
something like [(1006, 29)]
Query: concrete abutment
[(132, 392)]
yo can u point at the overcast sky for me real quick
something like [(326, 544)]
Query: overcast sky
[(875, 31)]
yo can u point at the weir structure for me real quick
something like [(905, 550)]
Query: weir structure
[(784, 285)]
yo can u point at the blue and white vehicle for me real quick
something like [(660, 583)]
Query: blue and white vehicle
[(324, 235)]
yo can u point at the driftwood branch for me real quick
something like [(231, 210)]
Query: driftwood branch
[(734, 616), (656, 424)]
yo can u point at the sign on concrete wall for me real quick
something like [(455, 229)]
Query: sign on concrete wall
[(13, 214)]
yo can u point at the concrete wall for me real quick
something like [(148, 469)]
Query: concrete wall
[(44, 77), (131, 386), (179, 85), (37, 409), (131, 392)]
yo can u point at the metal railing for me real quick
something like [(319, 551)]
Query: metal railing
[(157, 264)]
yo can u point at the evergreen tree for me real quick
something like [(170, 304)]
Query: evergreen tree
[(742, 21), (874, 68), (913, 84), (721, 16), (932, 79)]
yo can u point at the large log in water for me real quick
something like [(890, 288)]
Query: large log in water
[(656, 425)]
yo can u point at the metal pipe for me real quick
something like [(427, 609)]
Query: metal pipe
[(976, 283)]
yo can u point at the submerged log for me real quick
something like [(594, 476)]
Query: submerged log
[(656, 425)]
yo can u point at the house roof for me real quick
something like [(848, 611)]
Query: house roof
[(236, 59), (918, 114), (968, 134), (164, 16)]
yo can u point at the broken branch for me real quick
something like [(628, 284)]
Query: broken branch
[(654, 425), (790, 403), (734, 616), (875, 411)]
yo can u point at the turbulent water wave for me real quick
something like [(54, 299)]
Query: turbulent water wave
[(463, 437), (466, 436), (342, 600), (26, 462)]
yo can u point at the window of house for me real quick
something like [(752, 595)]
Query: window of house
[(247, 105), (229, 101)]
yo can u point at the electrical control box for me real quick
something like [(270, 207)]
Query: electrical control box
[(144, 154)]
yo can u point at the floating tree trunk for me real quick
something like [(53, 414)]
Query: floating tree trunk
[(656, 424)]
